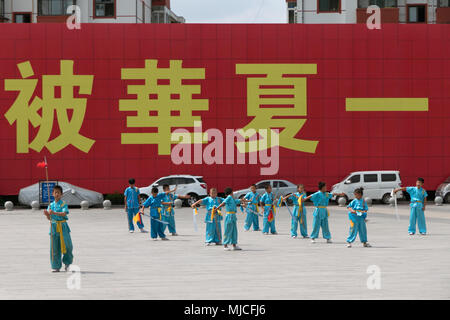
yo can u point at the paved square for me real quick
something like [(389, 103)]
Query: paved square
[(118, 265)]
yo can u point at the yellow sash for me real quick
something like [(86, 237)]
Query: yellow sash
[(61, 237), (213, 213), (231, 212), (323, 207)]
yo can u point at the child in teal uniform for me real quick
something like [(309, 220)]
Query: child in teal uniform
[(168, 210), (268, 203), (60, 240), (252, 210), (230, 232), (213, 225), (299, 214), (418, 204), (132, 205), (320, 200), (155, 202), (357, 213)]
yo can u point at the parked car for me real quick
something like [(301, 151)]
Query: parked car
[(72, 195), (279, 187), (443, 190), (194, 186), (377, 185)]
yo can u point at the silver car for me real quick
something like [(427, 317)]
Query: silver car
[(444, 190), (279, 187)]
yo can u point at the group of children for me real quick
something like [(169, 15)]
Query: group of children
[(162, 215)]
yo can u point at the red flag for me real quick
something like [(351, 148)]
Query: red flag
[(270, 217), (42, 164)]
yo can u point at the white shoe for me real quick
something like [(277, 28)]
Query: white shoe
[(349, 245), (367, 245), (143, 230), (294, 237), (164, 239), (208, 244), (411, 234), (155, 239), (236, 248), (174, 234), (313, 240), (265, 233), (131, 231), (423, 233), (329, 241), (227, 248)]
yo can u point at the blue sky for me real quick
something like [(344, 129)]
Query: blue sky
[(231, 11)]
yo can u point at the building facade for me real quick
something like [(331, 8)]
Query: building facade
[(92, 11), (354, 11)]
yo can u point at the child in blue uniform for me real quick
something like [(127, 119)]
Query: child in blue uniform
[(418, 204), (132, 205), (230, 232), (268, 203), (357, 213), (168, 210), (252, 210), (320, 200), (212, 219), (155, 202), (60, 240), (299, 214)]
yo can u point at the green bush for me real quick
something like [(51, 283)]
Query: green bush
[(115, 198)]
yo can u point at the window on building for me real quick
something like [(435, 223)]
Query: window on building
[(380, 3), (417, 13), (292, 4), (105, 8), (329, 5), (2, 8), (54, 7), (444, 3), (19, 17)]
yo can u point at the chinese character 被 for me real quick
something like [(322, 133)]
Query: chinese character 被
[(41, 111)]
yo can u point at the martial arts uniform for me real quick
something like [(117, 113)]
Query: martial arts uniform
[(299, 216), (252, 211), (269, 213), (230, 224), (213, 222), (417, 214), (320, 216), (169, 212), (156, 227), (132, 195), (357, 220), (60, 240)]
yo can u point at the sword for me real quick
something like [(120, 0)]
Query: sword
[(164, 222), (395, 203)]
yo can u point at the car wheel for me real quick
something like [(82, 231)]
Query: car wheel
[(194, 198), (386, 198), (338, 197), (447, 198)]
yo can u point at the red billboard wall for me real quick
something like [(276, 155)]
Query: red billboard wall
[(100, 102)]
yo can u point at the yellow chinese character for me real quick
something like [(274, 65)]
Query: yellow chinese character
[(276, 102), (163, 105), (22, 112)]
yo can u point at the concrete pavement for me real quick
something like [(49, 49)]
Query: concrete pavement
[(117, 265)]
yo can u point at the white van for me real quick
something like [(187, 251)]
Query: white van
[(377, 185)]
